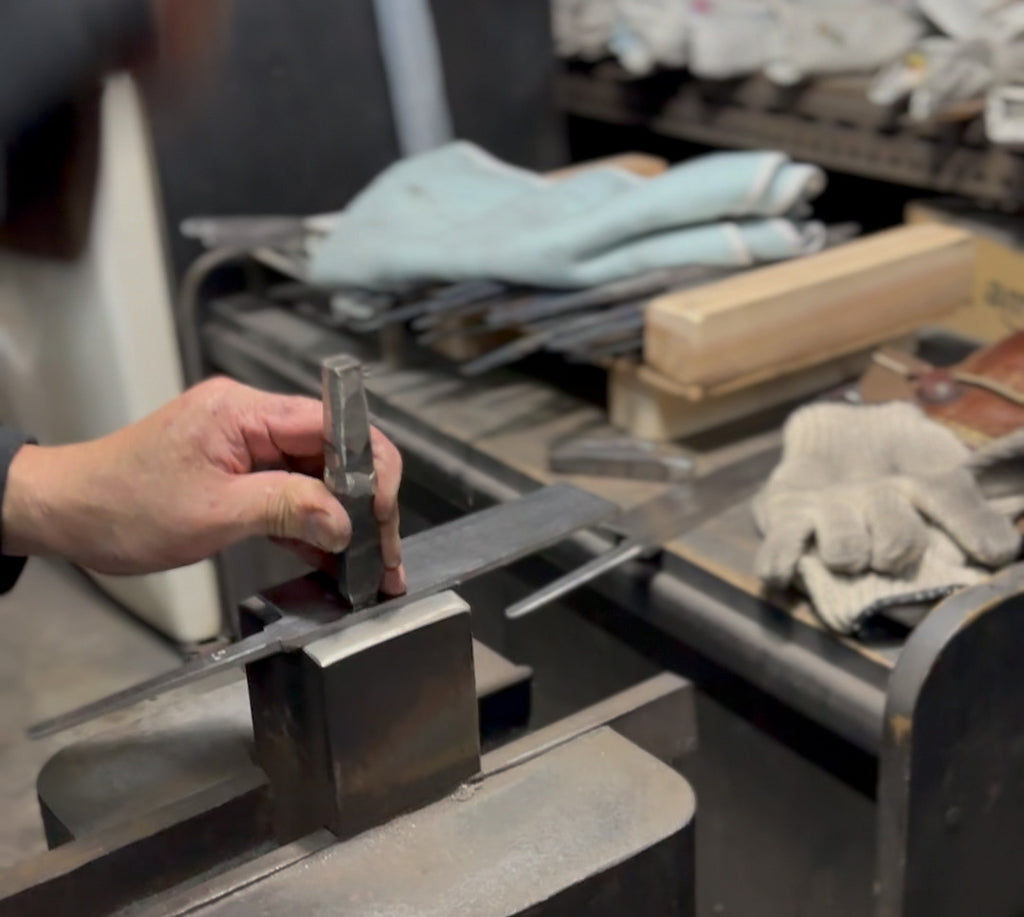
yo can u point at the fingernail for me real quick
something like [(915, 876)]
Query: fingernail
[(320, 532)]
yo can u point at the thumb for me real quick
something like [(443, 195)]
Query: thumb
[(280, 504)]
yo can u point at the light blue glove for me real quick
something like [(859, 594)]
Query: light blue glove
[(457, 213)]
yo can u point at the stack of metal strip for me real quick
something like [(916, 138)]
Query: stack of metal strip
[(593, 325)]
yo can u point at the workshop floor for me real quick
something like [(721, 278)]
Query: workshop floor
[(64, 644)]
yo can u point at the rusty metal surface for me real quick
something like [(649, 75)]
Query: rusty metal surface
[(595, 826), (368, 723), (131, 771), (951, 793), (657, 715), (175, 753), (310, 608), (124, 862)]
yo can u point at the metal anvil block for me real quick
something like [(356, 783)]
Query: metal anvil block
[(371, 722)]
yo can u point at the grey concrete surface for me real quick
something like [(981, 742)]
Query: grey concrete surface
[(62, 643)]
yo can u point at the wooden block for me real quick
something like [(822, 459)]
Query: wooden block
[(843, 300), (648, 405), (642, 164)]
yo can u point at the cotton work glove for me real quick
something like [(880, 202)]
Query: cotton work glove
[(648, 34), (984, 48), (456, 213), (845, 602), (839, 36), (858, 486)]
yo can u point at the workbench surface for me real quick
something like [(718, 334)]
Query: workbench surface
[(491, 436)]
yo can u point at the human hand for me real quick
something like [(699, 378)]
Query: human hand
[(220, 463), (859, 482)]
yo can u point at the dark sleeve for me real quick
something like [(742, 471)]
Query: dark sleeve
[(53, 56), (10, 442), (51, 50)]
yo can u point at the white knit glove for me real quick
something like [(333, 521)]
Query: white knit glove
[(844, 603), (984, 49), (650, 33), (858, 485), (582, 28), (730, 38), (838, 36), (963, 19)]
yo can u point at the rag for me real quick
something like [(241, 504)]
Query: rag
[(457, 213)]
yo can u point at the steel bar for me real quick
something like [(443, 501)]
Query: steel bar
[(546, 326), (603, 354), (610, 332), (247, 232), (437, 316), (450, 298), (350, 475), (508, 353), (644, 285), (539, 335), (622, 457), (412, 737), (438, 559), (657, 521)]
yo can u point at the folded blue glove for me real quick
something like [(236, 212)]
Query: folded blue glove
[(457, 213)]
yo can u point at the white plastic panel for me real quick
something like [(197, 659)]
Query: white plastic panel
[(88, 347)]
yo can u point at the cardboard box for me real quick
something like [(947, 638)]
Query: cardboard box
[(997, 302)]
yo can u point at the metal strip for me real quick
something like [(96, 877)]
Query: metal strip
[(438, 559), (667, 516)]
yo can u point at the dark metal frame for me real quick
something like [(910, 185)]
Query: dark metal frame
[(829, 122), (807, 669)]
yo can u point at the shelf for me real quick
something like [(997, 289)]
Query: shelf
[(830, 122)]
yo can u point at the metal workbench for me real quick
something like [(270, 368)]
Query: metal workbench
[(930, 725)]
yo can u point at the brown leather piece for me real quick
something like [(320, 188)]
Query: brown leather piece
[(977, 412), (980, 399)]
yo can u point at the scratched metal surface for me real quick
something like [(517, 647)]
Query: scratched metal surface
[(435, 560), (519, 839)]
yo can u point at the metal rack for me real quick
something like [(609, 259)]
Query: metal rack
[(829, 121)]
